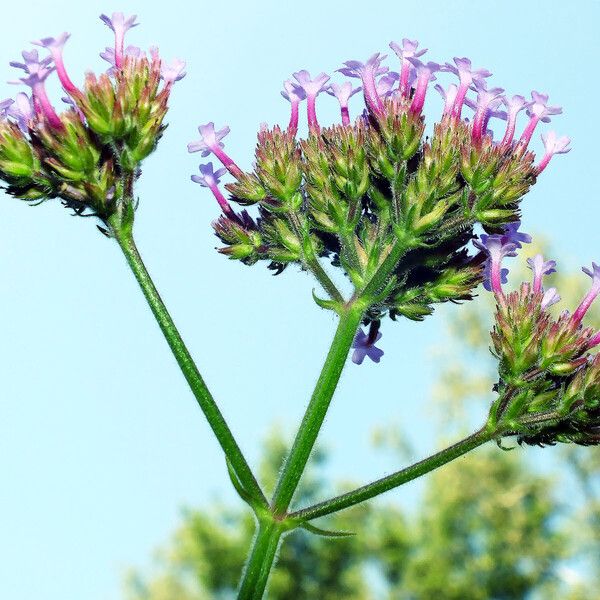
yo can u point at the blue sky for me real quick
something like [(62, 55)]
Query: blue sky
[(101, 442)]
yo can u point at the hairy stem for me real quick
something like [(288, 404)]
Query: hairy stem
[(390, 482), (261, 560), (213, 415), (317, 409)]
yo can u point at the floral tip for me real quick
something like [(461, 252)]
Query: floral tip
[(118, 23), (293, 92), (311, 87), (52, 43), (173, 71), (208, 176), (549, 298), (210, 139)]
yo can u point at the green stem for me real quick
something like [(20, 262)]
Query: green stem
[(313, 264), (213, 415), (317, 409), (396, 479), (260, 562), (389, 263)]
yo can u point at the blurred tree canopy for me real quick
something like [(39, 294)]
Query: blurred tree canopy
[(489, 526)]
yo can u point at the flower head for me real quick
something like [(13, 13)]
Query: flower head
[(539, 107), (210, 139), (364, 346)]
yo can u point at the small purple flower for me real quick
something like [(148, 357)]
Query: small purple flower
[(55, 46), (448, 95), (540, 267), (22, 111), (425, 74), (386, 83), (211, 142), (5, 106), (109, 56), (294, 94), (467, 76), (514, 106), (210, 139), (512, 235), (497, 247), (594, 273), (120, 25), (367, 72), (292, 91), (553, 145), (32, 62), (487, 101), (404, 52), (312, 88), (363, 347), (173, 71), (537, 111), (209, 178), (549, 298), (343, 93)]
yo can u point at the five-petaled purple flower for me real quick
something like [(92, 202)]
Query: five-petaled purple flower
[(487, 101), (343, 93), (537, 111), (364, 346), (406, 51), (211, 142), (425, 74), (312, 88), (173, 71), (210, 179), (294, 94), (497, 247), (540, 267), (467, 76), (120, 25), (22, 111), (553, 145), (55, 46), (367, 72), (514, 106)]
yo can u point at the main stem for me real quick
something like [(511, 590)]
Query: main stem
[(213, 415), (396, 479), (261, 559), (316, 410), (262, 555)]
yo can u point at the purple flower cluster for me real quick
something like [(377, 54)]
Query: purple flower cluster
[(25, 109), (408, 89)]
